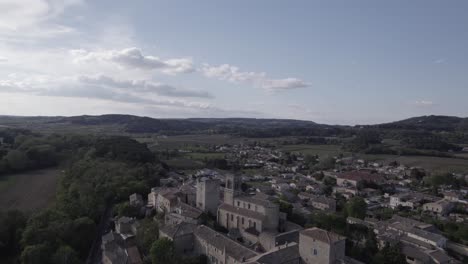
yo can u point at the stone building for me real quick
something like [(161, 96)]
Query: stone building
[(247, 215), (208, 194), (442, 207), (317, 246)]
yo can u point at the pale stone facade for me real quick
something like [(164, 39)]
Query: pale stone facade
[(317, 246), (208, 195)]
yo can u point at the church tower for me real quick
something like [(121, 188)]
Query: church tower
[(232, 189)]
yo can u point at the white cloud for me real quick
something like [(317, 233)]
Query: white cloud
[(142, 86), (423, 103), (133, 58), (258, 79), (32, 18)]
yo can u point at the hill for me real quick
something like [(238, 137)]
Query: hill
[(429, 123)]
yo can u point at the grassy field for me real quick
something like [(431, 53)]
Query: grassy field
[(28, 191), (204, 155), (321, 150), (435, 163)]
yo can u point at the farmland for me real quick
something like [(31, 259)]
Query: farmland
[(28, 191)]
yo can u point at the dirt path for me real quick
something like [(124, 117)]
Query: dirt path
[(28, 191)]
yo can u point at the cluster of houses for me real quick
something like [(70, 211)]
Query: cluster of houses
[(250, 228)]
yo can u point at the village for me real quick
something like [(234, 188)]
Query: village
[(272, 209)]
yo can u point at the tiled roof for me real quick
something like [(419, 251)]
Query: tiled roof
[(360, 176), (221, 242), (242, 211), (322, 235), (256, 200)]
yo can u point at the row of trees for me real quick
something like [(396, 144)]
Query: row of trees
[(100, 173)]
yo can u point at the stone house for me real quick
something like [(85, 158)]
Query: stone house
[(320, 246)]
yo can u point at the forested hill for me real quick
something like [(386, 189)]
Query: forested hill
[(250, 127), (429, 123), (136, 124)]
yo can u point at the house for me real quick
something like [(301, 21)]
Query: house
[(115, 250), (442, 207), (353, 178), (184, 213), (319, 202), (410, 199), (181, 234), (320, 246), (126, 226), (136, 200)]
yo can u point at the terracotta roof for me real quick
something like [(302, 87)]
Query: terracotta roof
[(322, 235)]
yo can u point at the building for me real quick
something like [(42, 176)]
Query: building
[(319, 202), (411, 200), (208, 194), (317, 246), (353, 178), (136, 200), (442, 207), (250, 215)]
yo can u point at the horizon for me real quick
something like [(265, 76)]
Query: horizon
[(264, 118), (335, 63)]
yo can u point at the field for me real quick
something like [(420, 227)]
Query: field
[(321, 150), (28, 191), (435, 163)]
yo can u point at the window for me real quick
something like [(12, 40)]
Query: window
[(238, 203), (315, 252), (232, 217), (248, 206), (242, 220)]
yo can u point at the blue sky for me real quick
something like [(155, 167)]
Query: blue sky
[(336, 62)]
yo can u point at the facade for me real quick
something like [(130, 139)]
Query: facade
[(442, 207), (317, 246), (208, 195)]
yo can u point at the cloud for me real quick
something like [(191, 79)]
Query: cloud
[(32, 18), (232, 74), (105, 88), (142, 86), (423, 103), (439, 61), (133, 58)]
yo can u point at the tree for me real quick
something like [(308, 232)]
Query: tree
[(390, 254), (65, 255), (147, 233), (162, 251), (326, 163), (356, 207), (36, 254)]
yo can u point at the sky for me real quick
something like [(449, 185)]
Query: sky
[(332, 62)]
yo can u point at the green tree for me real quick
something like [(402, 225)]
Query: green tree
[(356, 207), (65, 255), (36, 254), (390, 254), (162, 251), (147, 233)]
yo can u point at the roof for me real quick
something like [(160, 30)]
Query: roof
[(134, 255), (190, 211), (282, 254), (322, 235), (242, 211), (360, 176), (221, 242), (256, 200), (181, 229)]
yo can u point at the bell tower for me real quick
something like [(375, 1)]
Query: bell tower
[(232, 189)]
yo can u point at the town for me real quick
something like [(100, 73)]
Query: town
[(272, 209)]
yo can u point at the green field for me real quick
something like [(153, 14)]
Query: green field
[(321, 150)]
